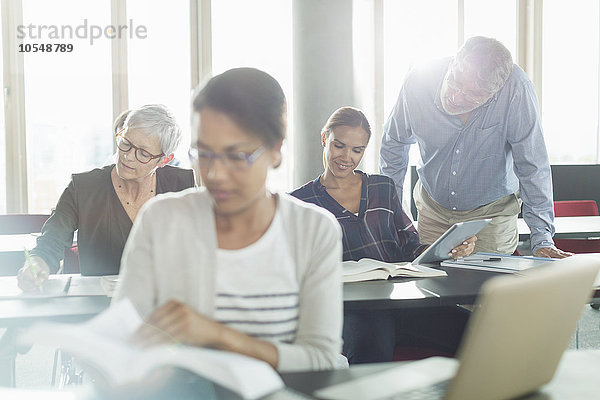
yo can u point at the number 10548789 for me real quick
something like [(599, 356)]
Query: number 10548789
[(45, 48)]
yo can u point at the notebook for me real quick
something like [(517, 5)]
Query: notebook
[(512, 346)]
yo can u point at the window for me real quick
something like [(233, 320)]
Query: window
[(570, 81), (2, 139), (493, 18), (159, 65), (418, 31), (67, 99), (414, 33), (258, 34)]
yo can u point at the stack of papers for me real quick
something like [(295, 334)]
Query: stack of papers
[(497, 262), (367, 269), (54, 287)]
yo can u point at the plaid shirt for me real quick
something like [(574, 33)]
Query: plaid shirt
[(381, 230)]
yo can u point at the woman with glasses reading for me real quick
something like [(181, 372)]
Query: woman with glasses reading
[(102, 204), (249, 271)]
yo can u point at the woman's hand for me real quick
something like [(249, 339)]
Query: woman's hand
[(33, 274), (178, 323), (464, 249)]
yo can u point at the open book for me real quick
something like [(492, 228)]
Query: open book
[(367, 269), (102, 345)]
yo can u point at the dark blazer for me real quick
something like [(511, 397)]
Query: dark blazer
[(90, 206)]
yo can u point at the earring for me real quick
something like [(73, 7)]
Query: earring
[(277, 163)]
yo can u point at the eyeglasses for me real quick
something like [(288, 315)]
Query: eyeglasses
[(457, 88), (140, 154), (233, 161)]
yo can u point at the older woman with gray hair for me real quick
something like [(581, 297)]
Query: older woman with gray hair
[(102, 204)]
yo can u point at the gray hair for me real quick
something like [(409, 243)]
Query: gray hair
[(156, 120), (119, 122), (489, 58)]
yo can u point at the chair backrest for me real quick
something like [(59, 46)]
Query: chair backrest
[(576, 182), (15, 224), (575, 208)]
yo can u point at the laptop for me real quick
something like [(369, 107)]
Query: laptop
[(512, 346)]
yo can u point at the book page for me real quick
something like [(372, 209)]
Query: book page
[(103, 344), (53, 287), (417, 271), (366, 276), (368, 264)]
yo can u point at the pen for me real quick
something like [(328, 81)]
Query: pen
[(30, 266), (67, 286)]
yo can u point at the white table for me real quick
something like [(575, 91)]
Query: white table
[(568, 228)]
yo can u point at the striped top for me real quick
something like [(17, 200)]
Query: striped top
[(381, 230), (257, 289)]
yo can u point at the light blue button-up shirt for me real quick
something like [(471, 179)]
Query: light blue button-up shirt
[(498, 151)]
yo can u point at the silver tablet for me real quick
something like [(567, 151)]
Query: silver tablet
[(454, 236)]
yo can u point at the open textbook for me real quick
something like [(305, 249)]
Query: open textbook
[(102, 344), (367, 269)]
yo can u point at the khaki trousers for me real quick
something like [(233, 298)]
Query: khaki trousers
[(499, 236)]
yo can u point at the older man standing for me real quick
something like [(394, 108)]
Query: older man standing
[(476, 120)]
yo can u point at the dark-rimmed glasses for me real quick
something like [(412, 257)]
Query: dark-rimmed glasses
[(233, 161), (140, 154)]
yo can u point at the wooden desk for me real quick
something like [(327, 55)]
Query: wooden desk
[(568, 228)]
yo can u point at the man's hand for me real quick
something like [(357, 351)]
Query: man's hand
[(464, 249), (178, 323), (551, 252)]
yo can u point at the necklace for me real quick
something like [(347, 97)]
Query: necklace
[(151, 191), (120, 186)]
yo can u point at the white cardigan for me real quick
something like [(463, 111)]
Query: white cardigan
[(171, 254)]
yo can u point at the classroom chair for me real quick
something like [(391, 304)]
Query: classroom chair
[(578, 208)]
